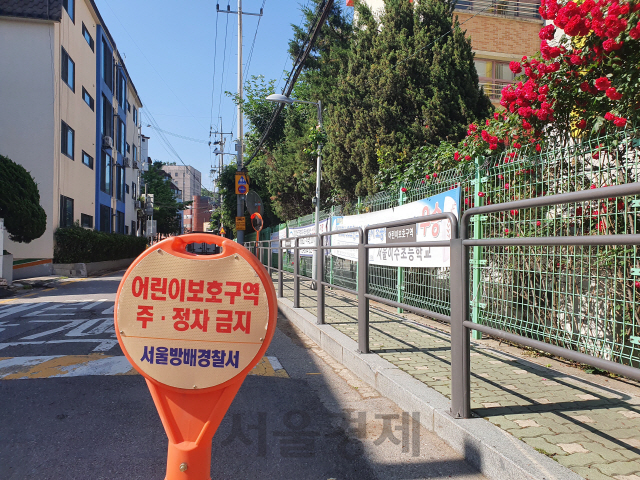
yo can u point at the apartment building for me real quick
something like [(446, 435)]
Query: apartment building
[(501, 31), (188, 180), (69, 113)]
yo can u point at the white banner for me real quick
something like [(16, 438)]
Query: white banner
[(307, 242), (275, 237), (417, 232)]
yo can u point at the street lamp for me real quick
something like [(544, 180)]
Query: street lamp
[(278, 98)]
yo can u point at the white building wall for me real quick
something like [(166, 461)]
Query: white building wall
[(74, 179), (28, 75)]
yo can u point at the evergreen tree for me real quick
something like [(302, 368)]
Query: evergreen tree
[(165, 206), (410, 80), (20, 207)]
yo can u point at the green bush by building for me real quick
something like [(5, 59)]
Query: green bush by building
[(80, 245)]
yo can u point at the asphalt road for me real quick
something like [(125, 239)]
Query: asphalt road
[(72, 407)]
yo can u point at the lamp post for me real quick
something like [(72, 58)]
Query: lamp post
[(278, 98)]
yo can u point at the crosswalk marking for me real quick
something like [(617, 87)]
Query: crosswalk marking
[(13, 309), (94, 304)]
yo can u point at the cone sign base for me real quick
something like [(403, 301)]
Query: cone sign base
[(194, 326)]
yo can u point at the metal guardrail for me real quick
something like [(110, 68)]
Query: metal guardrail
[(459, 284)]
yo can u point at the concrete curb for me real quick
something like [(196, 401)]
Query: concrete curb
[(494, 452)]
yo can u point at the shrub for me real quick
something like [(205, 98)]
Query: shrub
[(24, 218), (80, 245)]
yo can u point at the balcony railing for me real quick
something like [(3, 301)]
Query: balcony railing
[(507, 8), (493, 90)]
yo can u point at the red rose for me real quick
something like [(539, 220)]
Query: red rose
[(613, 94), (496, 116), (582, 123), (635, 32), (620, 122), (526, 125), (538, 147), (467, 157), (493, 146), (515, 67), (609, 116), (538, 223), (481, 194), (584, 86), (602, 83), (403, 189), (456, 156), (547, 33)]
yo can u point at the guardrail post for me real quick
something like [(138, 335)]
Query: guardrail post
[(269, 258), (280, 275), (400, 278), (319, 280), (460, 355), (363, 302), (296, 272)]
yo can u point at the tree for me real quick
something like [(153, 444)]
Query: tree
[(409, 81), (165, 206), (20, 207)]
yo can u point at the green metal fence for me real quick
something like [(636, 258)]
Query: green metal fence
[(581, 298)]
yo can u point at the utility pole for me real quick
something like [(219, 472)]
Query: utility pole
[(220, 152), (239, 145)]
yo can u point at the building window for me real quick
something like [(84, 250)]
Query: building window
[(133, 228), (87, 159), (121, 136), (105, 218), (105, 175), (86, 220), (87, 36), (107, 64), (69, 6), (120, 222), (122, 89), (135, 153), (66, 140), (107, 117), (88, 99), (493, 76), (135, 116), (134, 188), (68, 70), (66, 211), (120, 183)]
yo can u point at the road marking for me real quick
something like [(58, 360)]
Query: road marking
[(90, 306), (19, 308), (55, 366)]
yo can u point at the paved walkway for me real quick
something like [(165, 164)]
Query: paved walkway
[(588, 423)]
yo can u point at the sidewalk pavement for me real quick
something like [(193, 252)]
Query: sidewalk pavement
[(587, 423)]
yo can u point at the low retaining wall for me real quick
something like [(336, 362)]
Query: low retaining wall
[(37, 268), (85, 269)]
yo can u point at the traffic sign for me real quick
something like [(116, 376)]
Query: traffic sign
[(194, 327), (222, 231), (241, 223), (242, 183)]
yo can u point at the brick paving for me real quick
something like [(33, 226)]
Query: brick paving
[(592, 429)]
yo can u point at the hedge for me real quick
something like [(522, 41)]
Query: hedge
[(81, 245)]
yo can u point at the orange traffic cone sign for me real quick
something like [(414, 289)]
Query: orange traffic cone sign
[(194, 326)]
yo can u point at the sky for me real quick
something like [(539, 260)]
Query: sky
[(172, 51)]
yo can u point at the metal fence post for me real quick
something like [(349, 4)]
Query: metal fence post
[(400, 279), (296, 272), (319, 280), (280, 255), (269, 257), (460, 365), (477, 251), (363, 302)]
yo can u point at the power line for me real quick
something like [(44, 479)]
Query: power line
[(293, 76), (213, 78), (206, 142), (148, 61)]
